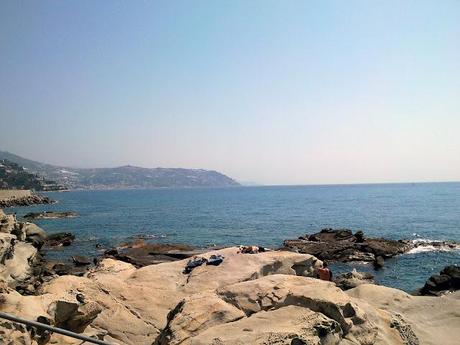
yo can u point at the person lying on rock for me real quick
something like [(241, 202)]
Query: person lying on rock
[(324, 273)]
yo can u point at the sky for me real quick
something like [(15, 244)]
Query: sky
[(273, 92)]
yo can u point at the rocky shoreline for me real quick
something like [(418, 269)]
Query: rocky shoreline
[(141, 293), (343, 246), (15, 198)]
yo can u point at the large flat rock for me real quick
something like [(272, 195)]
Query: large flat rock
[(265, 298)]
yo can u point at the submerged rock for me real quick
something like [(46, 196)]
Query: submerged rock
[(59, 239), (80, 260), (50, 215), (379, 262)]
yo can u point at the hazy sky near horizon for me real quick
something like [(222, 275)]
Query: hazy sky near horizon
[(275, 92)]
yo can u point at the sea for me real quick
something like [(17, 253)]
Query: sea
[(265, 216)]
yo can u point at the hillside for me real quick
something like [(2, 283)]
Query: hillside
[(122, 177), (13, 176)]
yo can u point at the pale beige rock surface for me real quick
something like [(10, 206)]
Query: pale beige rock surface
[(16, 256), (248, 299), (137, 301), (432, 320), (16, 268), (7, 222), (328, 314)]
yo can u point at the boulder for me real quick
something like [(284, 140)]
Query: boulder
[(73, 316), (61, 311), (34, 234), (59, 239), (332, 235), (359, 235), (46, 309), (7, 222), (84, 315), (448, 280), (379, 262), (16, 259), (350, 280), (80, 260), (7, 242)]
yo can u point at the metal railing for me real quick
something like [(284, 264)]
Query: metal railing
[(52, 329)]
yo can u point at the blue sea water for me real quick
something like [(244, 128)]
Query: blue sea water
[(266, 216)]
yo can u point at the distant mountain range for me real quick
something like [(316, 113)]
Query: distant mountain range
[(121, 177), (14, 176)]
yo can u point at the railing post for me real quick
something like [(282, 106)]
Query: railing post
[(52, 329)]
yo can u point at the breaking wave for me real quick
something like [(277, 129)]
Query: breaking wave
[(422, 245)]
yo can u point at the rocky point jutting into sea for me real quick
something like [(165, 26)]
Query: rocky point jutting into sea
[(342, 245), (10, 198), (226, 297)]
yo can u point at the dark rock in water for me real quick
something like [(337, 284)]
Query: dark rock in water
[(331, 235), (342, 245), (359, 236), (141, 253), (447, 280), (111, 252), (453, 271), (350, 280), (379, 262), (50, 215), (60, 239), (79, 260)]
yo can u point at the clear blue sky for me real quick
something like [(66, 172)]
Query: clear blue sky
[(276, 92)]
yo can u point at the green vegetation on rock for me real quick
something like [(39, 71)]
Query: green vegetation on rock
[(14, 176)]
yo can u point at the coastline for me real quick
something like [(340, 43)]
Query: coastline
[(240, 216), (15, 198), (164, 304)]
